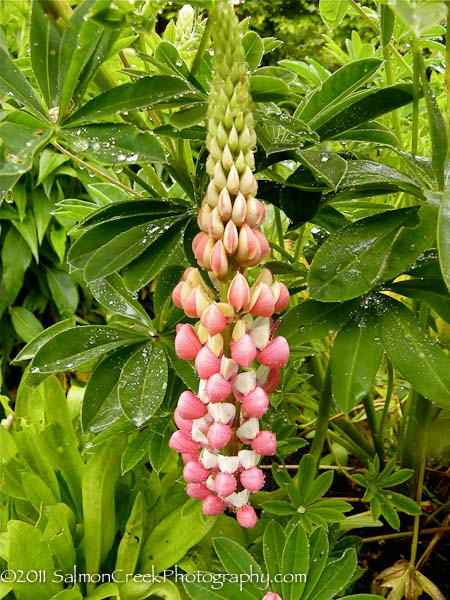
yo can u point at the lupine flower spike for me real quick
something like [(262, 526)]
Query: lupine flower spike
[(233, 347)]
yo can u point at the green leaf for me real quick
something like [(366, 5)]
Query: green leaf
[(166, 313), (183, 368), (63, 291), (58, 535), (432, 292), (273, 544), (23, 135), (146, 266), (15, 85), (122, 208), (339, 85), (443, 235), (254, 49), (327, 168), (319, 548), (158, 449), (40, 340), (170, 540), (143, 383), (125, 247), (295, 560), (335, 576), (142, 93), (413, 353), (313, 320), (131, 542), (100, 407), (36, 558), (112, 143), (359, 108), (235, 559), (366, 178), (268, 89), (27, 326), (387, 23), (80, 37), (403, 503), (27, 229), (44, 52), (73, 347), (355, 358), (276, 507), (305, 476), (317, 488), (372, 131), (49, 161), (356, 258), (16, 258), (333, 11), (100, 475), (112, 293)]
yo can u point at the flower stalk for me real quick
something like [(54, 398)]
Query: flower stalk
[(234, 346)]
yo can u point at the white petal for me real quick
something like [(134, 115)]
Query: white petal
[(245, 382), (228, 367), (248, 458), (222, 412), (238, 499), (260, 332), (210, 483), (208, 459), (228, 464), (262, 373), (248, 430), (202, 391)]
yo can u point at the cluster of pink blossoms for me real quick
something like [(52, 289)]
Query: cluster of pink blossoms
[(237, 355)]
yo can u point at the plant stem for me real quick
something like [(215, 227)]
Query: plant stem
[(98, 172), (420, 480), (416, 95), (299, 243), (374, 428), (345, 425), (279, 226), (201, 47), (447, 69), (281, 250), (390, 80), (387, 402), (132, 175), (322, 417), (393, 536)]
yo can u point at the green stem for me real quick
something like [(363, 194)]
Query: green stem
[(154, 180), (98, 172), (416, 95), (322, 418), (420, 480), (447, 69), (279, 226), (132, 175), (281, 250), (372, 421), (202, 46), (387, 402), (390, 80), (345, 425), (299, 243)]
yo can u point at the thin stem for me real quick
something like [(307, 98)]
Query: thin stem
[(416, 95), (349, 429), (299, 243), (201, 47), (279, 226), (390, 80), (421, 477), (154, 180), (393, 536), (281, 250), (132, 175), (322, 417), (98, 172), (387, 402), (372, 421), (447, 69)]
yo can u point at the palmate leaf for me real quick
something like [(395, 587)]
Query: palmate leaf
[(44, 52)]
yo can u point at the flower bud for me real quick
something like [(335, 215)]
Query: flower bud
[(239, 211), (275, 354), (176, 294), (187, 344), (232, 181), (224, 205), (246, 517), (206, 256), (190, 305), (230, 238), (195, 472), (215, 344), (239, 291), (239, 329), (184, 424), (198, 244), (190, 406), (206, 363), (188, 457), (222, 135), (261, 301), (203, 217), (215, 226), (219, 260), (265, 443), (255, 404), (248, 183), (272, 596), (212, 506), (252, 479), (248, 458), (219, 435), (281, 295), (213, 319), (263, 244), (251, 217), (243, 351), (182, 442), (220, 178), (217, 388), (202, 300), (248, 431), (247, 245), (227, 158), (272, 381), (222, 412), (212, 194), (225, 484), (199, 491), (265, 276)]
